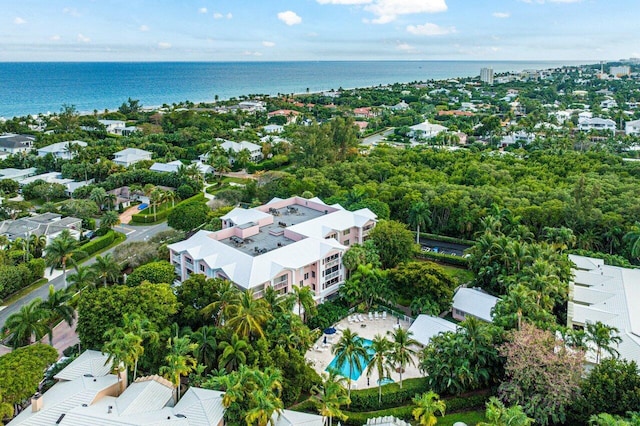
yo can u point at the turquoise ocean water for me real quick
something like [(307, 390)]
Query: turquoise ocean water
[(40, 87)]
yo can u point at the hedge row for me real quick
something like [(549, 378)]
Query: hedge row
[(162, 215), (94, 245), (15, 278), (392, 395), (444, 258), (446, 239)]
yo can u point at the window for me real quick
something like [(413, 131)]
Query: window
[(346, 242), (313, 274), (306, 276), (346, 231), (313, 287), (202, 268)]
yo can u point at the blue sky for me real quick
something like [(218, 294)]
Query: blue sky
[(283, 30)]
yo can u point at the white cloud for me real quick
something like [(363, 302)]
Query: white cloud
[(405, 47), (83, 39), (430, 29), (501, 15), (71, 11), (55, 37), (144, 28), (268, 43), (388, 10), (289, 17), (218, 15), (19, 21), (164, 45), (344, 1), (249, 53), (229, 15), (202, 10)]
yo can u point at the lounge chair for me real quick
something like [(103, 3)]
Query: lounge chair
[(349, 319), (370, 316), (360, 317), (375, 315), (384, 314)]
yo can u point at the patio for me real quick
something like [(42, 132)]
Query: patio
[(320, 355)]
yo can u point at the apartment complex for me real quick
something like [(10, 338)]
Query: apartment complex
[(284, 243), (486, 75)]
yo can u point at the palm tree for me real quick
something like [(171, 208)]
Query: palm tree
[(380, 361), (170, 196), (123, 349), (179, 360), (57, 305), (330, 396), (84, 276), (243, 158), (207, 345), (155, 197), (401, 350), (98, 195), (233, 353), (226, 297), (276, 301), (303, 297), (419, 216), (266, 398), (633, 239), (37, 244), (141, 327), (249, 316), (109, 219), (499, 415), (603, 336), (220, 164), (106, 268), (427, 405), (29, 322), (60, 251), (350, 349), (110, 200)]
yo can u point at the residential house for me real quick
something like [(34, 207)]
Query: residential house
[(400, 106), (252, 106), (87, 394), (118, 127), (426, 130), (48, 224), (362, 125), (472, 302), (130, 156), (608, 103), (632, 127), (273, 129), (291, 115), (56, 177), (425, 327), (17, 174), (520, 137), (173, 166), (608, 294), (14, 144), (61, 150), (282, 244), (597, 123), (364, 112), (234, 148)]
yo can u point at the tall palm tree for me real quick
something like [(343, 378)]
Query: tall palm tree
[(60, 251), (303, 297), (226, 298), (84, 277), (633, 239), (141, 327), (427, 405), (122, 348), (110, 200), (207, 345), (27, 325), (179, 361), (155, 197), (277, 302), (220, 164), (106, 268), (233, 353), (380, 361), (419, 216), (57, 305), (330, 396), (37, 243), (249, 316), (266, 397), (603, 336), (402, 352), (170, 196), (350, 350), (109, 219)]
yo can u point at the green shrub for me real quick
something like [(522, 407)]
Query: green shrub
[(162, 215), (447, 239), (185, 191), (37, 268), (154, 272), (360, 418), (328, 313), (392, 395), (94, 245)]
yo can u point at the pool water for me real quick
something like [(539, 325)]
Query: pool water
[(355, 372)]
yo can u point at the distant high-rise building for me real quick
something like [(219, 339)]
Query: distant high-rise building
[(620, 71), (486, 75)]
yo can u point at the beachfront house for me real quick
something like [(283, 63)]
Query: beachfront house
[(118, 127), (130, 156), (284, 243), (61, 150)]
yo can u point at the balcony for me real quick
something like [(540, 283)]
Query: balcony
[(281, 285), (332, 275), (332, 263)]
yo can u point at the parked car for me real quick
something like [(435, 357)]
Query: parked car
[(143, 206)]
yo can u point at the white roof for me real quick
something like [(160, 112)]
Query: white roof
[(425, 327), (132, 151), (429, 127), (60, 146), (474, 302), (339, 220), (250, 271), (11, 173), (145, 395), (296, 418), (89, 362), (240, 216), (202, 407), (239, 146), (586, 263)]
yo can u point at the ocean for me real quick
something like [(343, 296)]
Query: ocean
[(43, 87)]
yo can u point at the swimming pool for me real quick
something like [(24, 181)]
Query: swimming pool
[(355, 372)]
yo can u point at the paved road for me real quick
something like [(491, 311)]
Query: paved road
[(133, 233), (375, 139)]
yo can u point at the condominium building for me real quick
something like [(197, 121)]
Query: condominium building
[(620, 71), (486, 75), (284, 243)]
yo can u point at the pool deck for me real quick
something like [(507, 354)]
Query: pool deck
[(321, 357)]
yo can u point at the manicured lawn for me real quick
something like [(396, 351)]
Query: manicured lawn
[(460, 274)]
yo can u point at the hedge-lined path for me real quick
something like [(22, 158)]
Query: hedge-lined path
[(140, 233), (125, 217)]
